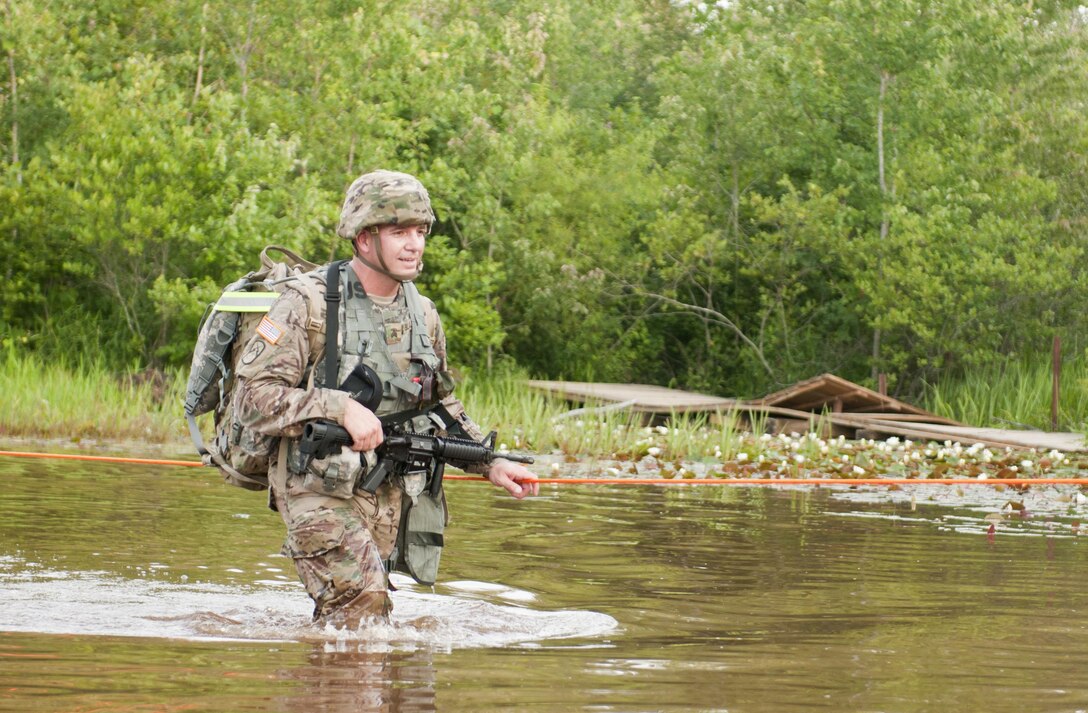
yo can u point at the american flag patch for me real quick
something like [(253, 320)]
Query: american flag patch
[(269, 330)]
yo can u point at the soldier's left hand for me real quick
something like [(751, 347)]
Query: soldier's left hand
[(514, 477)]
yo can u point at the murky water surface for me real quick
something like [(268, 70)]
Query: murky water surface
[(159, 589)]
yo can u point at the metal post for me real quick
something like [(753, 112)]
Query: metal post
[(1056, 371)]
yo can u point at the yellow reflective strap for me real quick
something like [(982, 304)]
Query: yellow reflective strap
[(246, 301)]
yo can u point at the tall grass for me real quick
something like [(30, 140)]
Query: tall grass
[(84, 400), (1015, 394), (533, 421)]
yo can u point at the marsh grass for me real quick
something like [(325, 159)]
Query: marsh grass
[(1015, 394), (531, 421), (84, 400)]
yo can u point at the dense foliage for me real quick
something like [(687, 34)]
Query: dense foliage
[(726, 198)]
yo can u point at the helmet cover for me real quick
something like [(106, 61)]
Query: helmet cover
[(384, 198)]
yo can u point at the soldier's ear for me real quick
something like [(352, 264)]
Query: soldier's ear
[(356, 244), (367, 237)]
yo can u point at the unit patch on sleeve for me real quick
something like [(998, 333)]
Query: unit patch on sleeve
[(269, 330)]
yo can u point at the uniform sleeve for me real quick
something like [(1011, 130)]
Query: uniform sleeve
[(272, 397)]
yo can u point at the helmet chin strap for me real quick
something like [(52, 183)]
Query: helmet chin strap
[(383, 268)]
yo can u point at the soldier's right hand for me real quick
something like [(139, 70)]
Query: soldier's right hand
[(363, 426)]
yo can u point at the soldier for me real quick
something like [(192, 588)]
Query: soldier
[(339, 537)]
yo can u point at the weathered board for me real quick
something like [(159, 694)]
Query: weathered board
[(826, 400), (839, 395), (642, 398)]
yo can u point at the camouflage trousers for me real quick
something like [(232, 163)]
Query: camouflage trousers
[(339, 546)]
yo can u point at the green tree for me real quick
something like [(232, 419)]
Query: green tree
[(129, 195)]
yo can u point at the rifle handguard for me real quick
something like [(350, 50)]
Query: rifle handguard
[(321, 439)]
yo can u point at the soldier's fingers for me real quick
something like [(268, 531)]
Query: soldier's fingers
[(511, 486), (528, 485)]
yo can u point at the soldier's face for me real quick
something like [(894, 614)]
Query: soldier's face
[(402, 247)]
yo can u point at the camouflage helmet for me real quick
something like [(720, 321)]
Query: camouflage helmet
[(384, 198)]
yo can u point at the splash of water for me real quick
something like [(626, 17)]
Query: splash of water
[(34, 598)]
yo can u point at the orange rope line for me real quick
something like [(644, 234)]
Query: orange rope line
[(101, 459), (796, 481), (632, 481)]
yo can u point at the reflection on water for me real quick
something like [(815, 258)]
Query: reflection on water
[(145, 589), (361, 681)]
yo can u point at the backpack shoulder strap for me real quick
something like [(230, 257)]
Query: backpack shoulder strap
[(421, 340), (332, 323)]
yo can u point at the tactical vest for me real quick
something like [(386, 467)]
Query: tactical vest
[(362, 338), (404, 368)]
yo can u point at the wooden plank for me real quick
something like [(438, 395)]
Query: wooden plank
[(824, 390), (1016, 438), (645, 398), (992, 437), (904, 417)]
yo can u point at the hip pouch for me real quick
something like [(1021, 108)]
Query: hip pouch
[(334, 475), (420, 539)]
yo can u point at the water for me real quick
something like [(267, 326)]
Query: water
[(158, 589)]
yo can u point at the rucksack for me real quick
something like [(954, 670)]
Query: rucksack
[(240, 453)]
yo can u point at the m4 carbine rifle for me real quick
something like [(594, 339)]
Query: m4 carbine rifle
[(403, 451)]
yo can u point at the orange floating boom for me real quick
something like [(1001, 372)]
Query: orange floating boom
[(101, 459)]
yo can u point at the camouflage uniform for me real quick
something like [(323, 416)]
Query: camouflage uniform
[(338, 543)]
